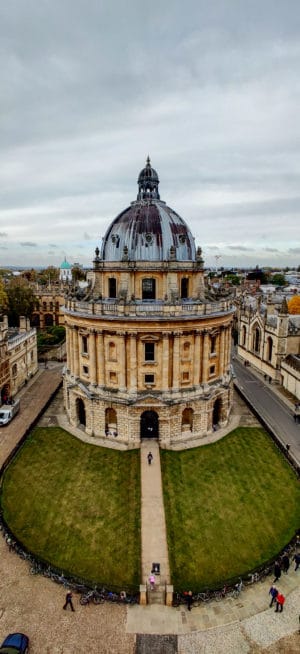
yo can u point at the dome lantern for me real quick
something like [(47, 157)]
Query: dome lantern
[(148, 183)]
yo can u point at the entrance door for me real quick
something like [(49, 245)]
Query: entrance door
[(149, 424), (216, 412)]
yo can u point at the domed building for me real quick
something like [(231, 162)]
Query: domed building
[(148, 354)]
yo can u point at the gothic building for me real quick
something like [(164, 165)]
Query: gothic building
[(148, 353), (18, 356)]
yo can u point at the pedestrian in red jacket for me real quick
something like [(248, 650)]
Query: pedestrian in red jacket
[(280, 599)]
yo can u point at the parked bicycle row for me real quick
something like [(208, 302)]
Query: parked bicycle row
[(290, 555)]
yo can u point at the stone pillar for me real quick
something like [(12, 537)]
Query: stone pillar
[(205, 373), (222, 352), (69, 348), (176, 362), (133, 364), (165, 363), (169, 594), (93, 362), (143, 594), (101, 361), (122, 360), (197, 358), (76, 368)]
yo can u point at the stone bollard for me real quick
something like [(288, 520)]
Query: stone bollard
[(143, 594), (169, 595)]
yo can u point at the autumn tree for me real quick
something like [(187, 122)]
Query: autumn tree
[(21, 300), (294, 305)]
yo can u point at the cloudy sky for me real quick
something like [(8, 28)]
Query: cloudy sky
[(209, 89)]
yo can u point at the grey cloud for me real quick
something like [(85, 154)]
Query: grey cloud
[(294, 250), (271, 250), (240, 248), (28, 244), (3, 234), (3, 247), (52, 245), (87, 237)]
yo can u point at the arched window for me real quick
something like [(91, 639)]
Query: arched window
[(148, 289), (256, 339), (243, 339), (14, 370), (48, 320), (186, 349), (213, 343), (112, 351), (44, 306), (269, 348)]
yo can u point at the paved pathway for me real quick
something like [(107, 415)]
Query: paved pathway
[(154, 537)]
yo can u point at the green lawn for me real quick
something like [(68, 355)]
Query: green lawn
[(77, 506), (229, 506)]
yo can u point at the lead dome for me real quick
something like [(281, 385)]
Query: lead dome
[(148, 230)]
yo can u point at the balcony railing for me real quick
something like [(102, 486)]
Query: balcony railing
[(144, 309)]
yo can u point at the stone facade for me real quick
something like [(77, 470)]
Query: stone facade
[(148, 355), (18, 362), (268, 335)]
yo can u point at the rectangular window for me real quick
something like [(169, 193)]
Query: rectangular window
[(84, 342), (112, 287), (185, 376), (149, 379), (184, 288), (85, 370), (212, 370), (149, 351), (113, 377), (148, 289)]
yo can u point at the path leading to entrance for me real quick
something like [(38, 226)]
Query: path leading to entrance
[(154, 536)]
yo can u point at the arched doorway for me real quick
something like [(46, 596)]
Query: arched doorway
[(80, 410), (149, 424), (216, 413)]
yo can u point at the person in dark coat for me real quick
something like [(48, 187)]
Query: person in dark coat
[(273, 592), (150, 458), (68, 601), (296, 558), (277, 571), (285, 562), (189, 600)]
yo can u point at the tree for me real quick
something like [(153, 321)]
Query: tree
[(21, 300), (48, 275), (77, 273), (3, 298), (294, 305), (278, 279)]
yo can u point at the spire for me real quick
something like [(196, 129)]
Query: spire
[(284, 307), (148, 183)]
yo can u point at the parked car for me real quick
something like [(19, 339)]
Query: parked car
[(8, 412), (15, 644)]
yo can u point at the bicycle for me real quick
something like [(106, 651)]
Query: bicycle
[(91, 596)]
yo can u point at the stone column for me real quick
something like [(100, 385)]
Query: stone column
[(165, 363), (76, 352), (101, 360), (93, 362), (133, 364), (122, 361), (69, 348), (222, 352), (176, 362), (197, 358), (205, 357)]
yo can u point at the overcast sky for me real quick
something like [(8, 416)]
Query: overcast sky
[(209, 89)]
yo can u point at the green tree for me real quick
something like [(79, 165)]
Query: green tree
[(48, 275), (3, 298), (278, 279), (77, 274), (21, 300)]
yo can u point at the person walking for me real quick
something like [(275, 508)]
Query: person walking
[(285, 562), (152, 581), (277, 571), (280, 599), (189, 600), (68, 601), (296, 558), (273, 592), (150, 458)]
